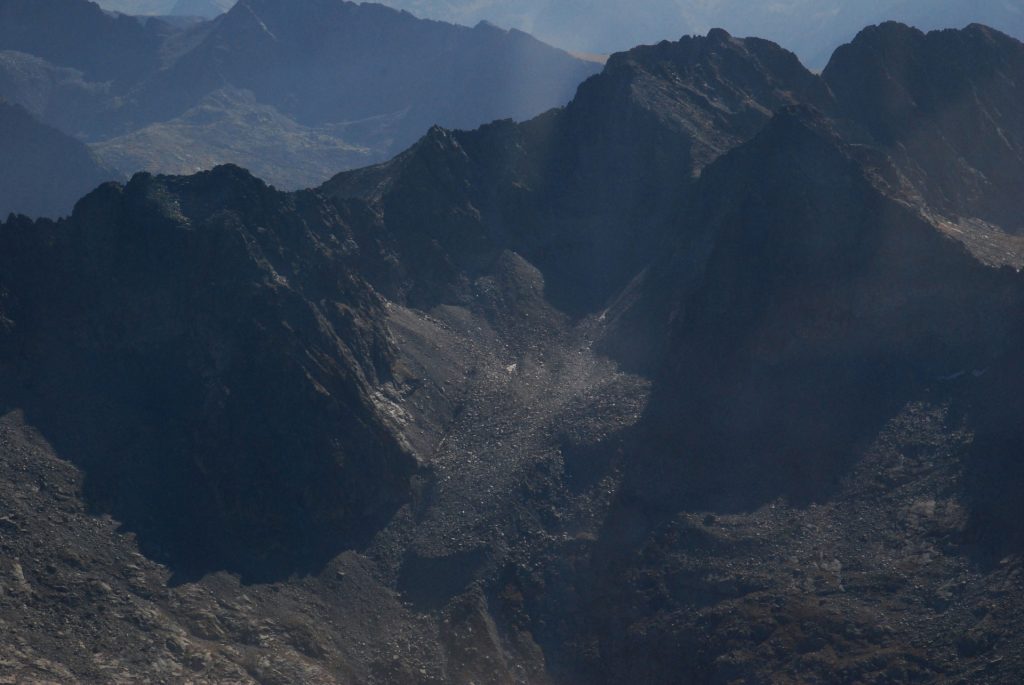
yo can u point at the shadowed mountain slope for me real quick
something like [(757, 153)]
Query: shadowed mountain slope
[(834, 362), (691, 381), (954, 128), (172, 344), (586, 193), (823, 308)]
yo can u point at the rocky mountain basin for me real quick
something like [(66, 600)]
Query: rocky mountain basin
[(703, 378)]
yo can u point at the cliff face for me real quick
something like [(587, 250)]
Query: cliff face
[(822, 307), (954, 127), (588, 194)]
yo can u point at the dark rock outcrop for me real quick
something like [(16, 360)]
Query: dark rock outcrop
[(948, 107), (204, 349), (822, 309)]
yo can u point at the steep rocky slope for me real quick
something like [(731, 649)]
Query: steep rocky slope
[(952, 127), (807, 468), (821, 303), (169, 346), (683, 383), (587, 193)]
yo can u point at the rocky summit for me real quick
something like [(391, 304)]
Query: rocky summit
[(710, 376)]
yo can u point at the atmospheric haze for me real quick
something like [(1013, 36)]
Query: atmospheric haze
[(811, 28)]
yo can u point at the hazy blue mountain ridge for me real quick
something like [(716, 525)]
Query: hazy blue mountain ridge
[(295, 90), (44, 171), (811, 28)]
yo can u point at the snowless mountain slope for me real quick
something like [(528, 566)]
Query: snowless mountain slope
[(691, 381)]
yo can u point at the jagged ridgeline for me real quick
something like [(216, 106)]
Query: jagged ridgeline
[(810, 28), (710, 376), (185, 352)]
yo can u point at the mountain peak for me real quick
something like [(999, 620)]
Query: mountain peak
[(948, 90), (887, 30), (716, 89), (719, 35), (693, 51)]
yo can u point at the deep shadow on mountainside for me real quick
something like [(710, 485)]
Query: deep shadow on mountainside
[(708, 377), (173, 351)]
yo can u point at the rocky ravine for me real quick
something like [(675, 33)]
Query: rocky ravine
[(701, 379)]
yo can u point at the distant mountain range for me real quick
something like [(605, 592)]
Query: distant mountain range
[(183, 8), (44, 171), (811, 28), (295, 90)]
